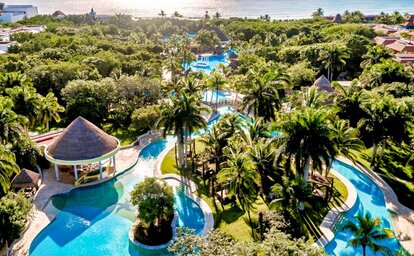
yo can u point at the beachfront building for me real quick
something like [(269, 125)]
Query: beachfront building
[(404, 58), (15, 13), (59, 14), (84, 150)]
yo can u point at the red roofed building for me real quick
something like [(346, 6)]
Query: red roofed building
[(402, 46), (384, 40)]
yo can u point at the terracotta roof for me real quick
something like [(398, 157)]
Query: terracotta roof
[(82, 140), (408, 24), (401, 46), (26, 179), (404, 58), (409, 18), (323, 84), (382, 40)]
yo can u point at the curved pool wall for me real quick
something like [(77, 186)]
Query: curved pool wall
[(370, 198), (96, 220)]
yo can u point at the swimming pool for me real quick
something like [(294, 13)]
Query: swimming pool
[(370, 198), (96, 220), (216, 95)]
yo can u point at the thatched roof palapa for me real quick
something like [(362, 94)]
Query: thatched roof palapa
[(81, 140), (338, 19), (26, 179), (323, 84)]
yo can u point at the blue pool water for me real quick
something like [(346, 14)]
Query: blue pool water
[(96, 220), (215, 95), (370, 199)]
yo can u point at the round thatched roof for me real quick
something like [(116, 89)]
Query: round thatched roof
[(81, 141), (26, 179), (323, 84)]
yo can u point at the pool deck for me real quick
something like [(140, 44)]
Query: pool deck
[(403, 221), (125, 159)]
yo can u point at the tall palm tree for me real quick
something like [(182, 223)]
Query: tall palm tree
[(181, 117), (10, 122), (307, 135), (50, 110), (8, 167), (255, 131), (263, 154), (216, 81), (333, 58), (230, 124), (241, 176), (192, 86), (262, 99), (368, 233), (162, 14)]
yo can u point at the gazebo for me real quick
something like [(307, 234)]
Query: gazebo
[(26, 179), (82, 143), (323, 84)]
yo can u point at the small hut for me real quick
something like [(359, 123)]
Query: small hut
[(338, 19), (26, 179), (323, 84), (82, 143)]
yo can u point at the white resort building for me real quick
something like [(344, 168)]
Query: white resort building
[(14, 13)]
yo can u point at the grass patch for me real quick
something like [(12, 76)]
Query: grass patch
[(125, 136)]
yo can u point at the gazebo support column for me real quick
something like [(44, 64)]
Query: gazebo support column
[(100, 170), (113, 159), (57, 172), (75, 170)]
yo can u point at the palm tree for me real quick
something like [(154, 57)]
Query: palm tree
[(26, 102), (230, 124), (8, 167), (216, 81), (217, 15), (10, 122), (183, 116), (375, 55), (293, 195), (262, 99), (50, 110), (241, 176), (368, 232), (308, 136), (333, 58), (192, 86), (177, 15), (162, 14), (263, 155), (255, 131)]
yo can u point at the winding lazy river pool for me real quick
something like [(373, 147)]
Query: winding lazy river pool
[(96, 220)]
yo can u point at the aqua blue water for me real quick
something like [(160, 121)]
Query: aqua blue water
[(277, 9), (370, 199), (212, 61), (216, 95), (96, 220)]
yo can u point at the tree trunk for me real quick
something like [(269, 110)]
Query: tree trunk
[(381, 154), (328, 168), (185, 148), (374, 154), (180, 150), (306, 170), (216, 97), (364, 250)]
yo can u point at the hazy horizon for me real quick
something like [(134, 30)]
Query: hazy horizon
[(277, 9)]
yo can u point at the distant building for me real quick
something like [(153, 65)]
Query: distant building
[(385, 40), (92, 13), (404, 58), (323, 84), (4, 46), (58, 14), (338, 19), (409, 22), (14, 13), (402, 46), (385, 29)]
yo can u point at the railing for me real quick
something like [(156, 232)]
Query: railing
[(148, 137)]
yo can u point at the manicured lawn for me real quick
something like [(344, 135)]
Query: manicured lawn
[(125, 136), (232, 219), (395, 172)]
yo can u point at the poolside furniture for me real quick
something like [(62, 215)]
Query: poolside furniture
[(82, 144)]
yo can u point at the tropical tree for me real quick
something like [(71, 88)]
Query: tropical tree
[(262, 154), (8, 167), (241, 176), (375, 55), (50, 110), (182, 116), (207, 39), (12, 79), (217, 15), (333, 58), (216, 82), (293, 195), (162, 14), (308, 136), (368, 233), (318, 13), (10, 122), (176, 14)]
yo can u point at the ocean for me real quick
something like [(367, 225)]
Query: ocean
[(277, 9)]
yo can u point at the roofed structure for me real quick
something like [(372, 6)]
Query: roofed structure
[(401, 46), (385, 40), (404, 58), (223, 38), (409, 22), (338, 19), (26, 179), (323, 84), (82, 143), (58, 14)]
